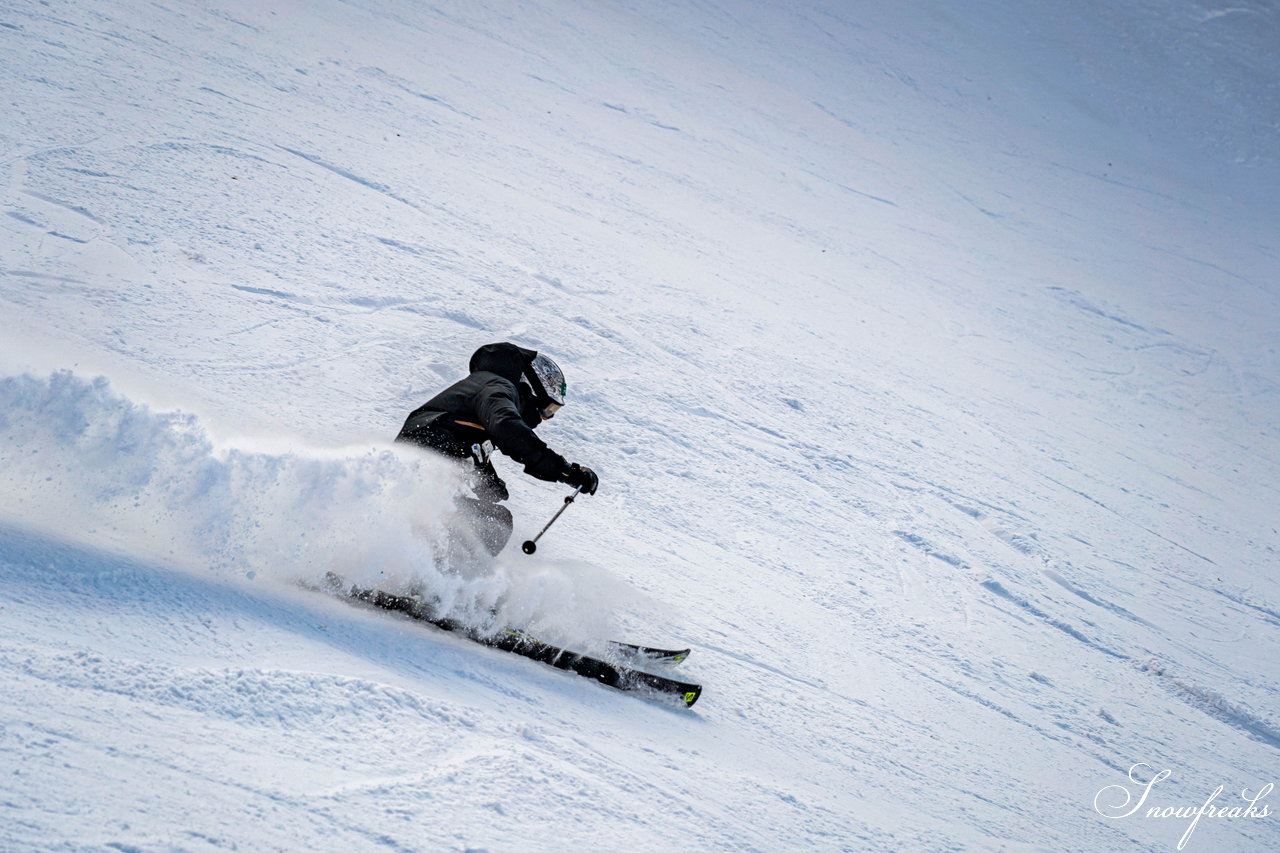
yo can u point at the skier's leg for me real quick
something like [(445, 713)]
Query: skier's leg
[(491, 522)]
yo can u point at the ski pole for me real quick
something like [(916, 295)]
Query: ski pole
[(531, 545)]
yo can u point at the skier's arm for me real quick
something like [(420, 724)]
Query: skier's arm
[(499, 413)]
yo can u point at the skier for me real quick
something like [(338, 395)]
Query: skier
[(510, 392)]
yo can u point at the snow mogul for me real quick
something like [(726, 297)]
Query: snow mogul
[(510, 392)]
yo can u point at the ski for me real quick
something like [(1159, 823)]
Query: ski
[(621, 677), (648, 654)]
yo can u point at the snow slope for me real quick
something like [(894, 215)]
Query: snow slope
[(927, 355)]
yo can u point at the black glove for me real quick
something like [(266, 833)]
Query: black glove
[(582, 477)]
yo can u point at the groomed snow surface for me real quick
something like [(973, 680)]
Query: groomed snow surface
[(927, 353)]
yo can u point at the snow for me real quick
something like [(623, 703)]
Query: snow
[(927, 355)]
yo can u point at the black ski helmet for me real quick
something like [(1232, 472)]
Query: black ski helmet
[(547, 380)]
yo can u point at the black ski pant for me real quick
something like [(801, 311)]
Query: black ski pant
[(491, 522)]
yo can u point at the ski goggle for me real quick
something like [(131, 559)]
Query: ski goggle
[(550, 410)]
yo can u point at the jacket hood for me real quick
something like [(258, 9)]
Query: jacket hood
[(505, 359)]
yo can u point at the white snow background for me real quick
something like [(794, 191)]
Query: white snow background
[(927, 353)]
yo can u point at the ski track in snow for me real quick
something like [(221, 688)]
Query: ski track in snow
[(927, 358)]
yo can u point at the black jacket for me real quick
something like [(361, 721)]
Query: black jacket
[(491, 404)]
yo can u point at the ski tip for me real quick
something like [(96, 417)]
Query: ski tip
[(691, 694)]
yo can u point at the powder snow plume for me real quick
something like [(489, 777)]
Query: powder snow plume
[(86, 463)]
